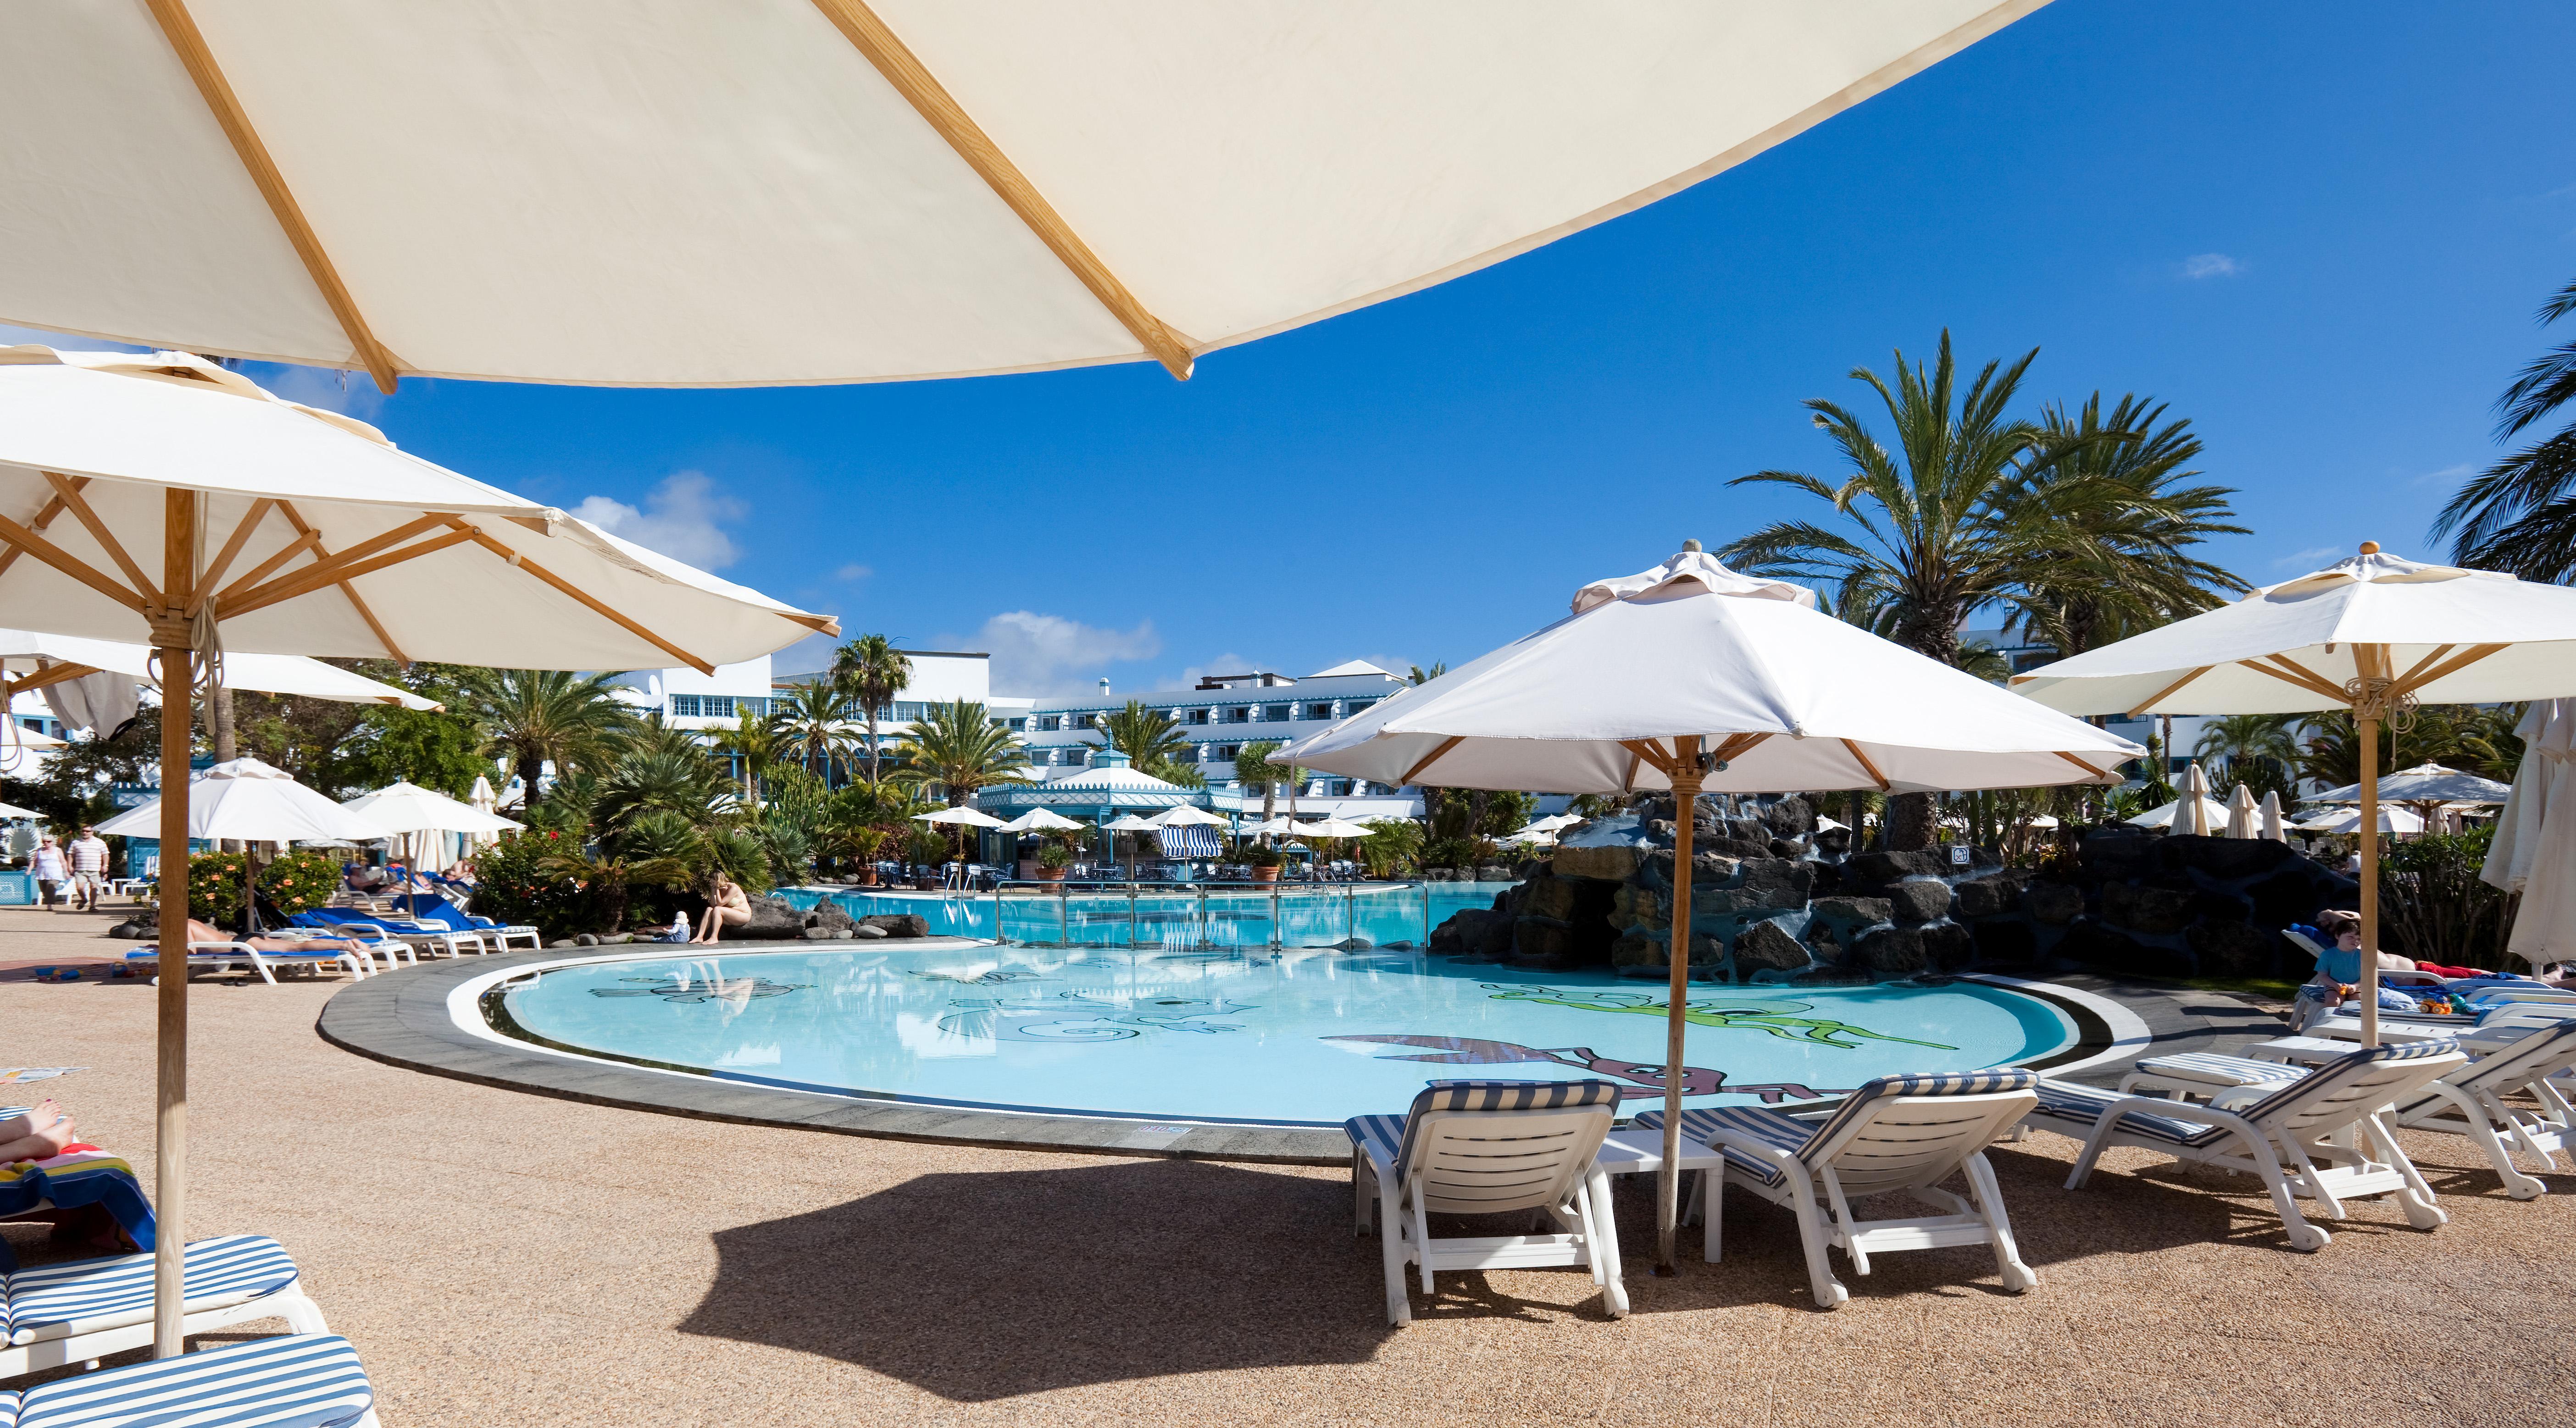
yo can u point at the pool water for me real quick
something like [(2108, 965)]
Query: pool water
[(1298, 915), (1306, 1037)]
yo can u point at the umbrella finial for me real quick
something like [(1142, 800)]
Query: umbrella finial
[(1688, 546), (2370, 547)]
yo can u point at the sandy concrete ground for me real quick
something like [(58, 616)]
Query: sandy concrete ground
[(504, 1258)]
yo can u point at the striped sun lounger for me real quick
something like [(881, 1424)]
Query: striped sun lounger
[(83, 1310), (296, 1381)]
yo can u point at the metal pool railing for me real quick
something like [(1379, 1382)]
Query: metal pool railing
[(1207, 916)]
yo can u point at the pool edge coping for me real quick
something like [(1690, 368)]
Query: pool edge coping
[(409, 1019)]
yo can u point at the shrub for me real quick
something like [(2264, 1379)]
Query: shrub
[(300, 881), (214, 888), (510, 887), (2433, 906)]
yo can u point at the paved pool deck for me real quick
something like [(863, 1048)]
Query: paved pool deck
[(501, 1257)]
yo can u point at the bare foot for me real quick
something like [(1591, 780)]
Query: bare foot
[(44, 1142)]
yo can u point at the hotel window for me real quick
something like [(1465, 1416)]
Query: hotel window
[(1015, 725), (1319, 711), (1049, 723), (1277, 712), (716, 706), (1238, 715), (1198, 716), (684, 706), (1356, 705), (1225, 752)]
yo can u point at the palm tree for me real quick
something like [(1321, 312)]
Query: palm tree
[(1968, 511), (1149, 739), (816, 722), (685, 782), (610, 876), (874, 672), (958, 747), (759, 742), (541, 716), (2125, 569), (1252, 766), (2249, 739), (2519, 515)]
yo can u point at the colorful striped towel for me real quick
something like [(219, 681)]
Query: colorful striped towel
[(81, 1175)]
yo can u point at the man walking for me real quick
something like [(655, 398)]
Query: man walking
[(88, 855)]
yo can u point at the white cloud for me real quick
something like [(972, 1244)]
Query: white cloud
[(2211, 265), (682, 518), (1048, 654), (853, 572), (2314, 558), (2443, 477)]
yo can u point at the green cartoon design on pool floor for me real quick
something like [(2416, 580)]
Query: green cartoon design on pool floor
[(1780, 1019)]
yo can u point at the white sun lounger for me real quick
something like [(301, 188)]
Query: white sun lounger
[(232, 956), (84, 1310), (1481, 1148), (1896, 1133), (2466, 1102), (2278, 1132), (302, 1380)]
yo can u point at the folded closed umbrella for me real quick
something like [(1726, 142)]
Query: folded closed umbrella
[(2195, 818), (2272, 816), (2534, 852), (2241, 813)]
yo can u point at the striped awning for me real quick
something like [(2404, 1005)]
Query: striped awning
[(1195, 840)]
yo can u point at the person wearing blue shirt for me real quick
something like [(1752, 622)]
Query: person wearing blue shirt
[(2339, 966)]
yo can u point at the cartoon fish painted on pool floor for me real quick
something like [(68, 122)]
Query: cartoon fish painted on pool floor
[(1777, 1018), (704, 989), (1098, 1020), (1647, 1076)]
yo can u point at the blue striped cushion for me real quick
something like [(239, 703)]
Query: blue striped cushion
[(2074, 1101), (52, 1300), (1776, 1128), (295, 1381), (1474, 1096), (2221, 1070), (2344, 1068)]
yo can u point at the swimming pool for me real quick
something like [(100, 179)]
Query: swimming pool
[(1247, 1035), (1289, 915)]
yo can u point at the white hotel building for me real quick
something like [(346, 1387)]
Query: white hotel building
[(1219, 716)]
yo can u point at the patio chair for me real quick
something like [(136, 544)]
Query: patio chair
[(293, 1381), (84, 1310), (414, 934), (2467, 1102), (2278, 1132), (2492, 1016), (438, 912), (233, 956), (1896, 1133), (1484, 1148)]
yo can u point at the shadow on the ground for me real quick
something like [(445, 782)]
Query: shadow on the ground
[(986, 1286)]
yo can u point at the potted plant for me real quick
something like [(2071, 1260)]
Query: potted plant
[(1264, 863), (1052, 860)]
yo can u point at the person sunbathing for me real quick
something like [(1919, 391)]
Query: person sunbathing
[(199, 934), (40, 1134)]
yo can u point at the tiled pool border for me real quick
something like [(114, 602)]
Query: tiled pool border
[(429, 1019)]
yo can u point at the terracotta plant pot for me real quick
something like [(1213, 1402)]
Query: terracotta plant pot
[(1269, 874), (1050, 875)]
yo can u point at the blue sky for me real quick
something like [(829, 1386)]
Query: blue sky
[(2317, 230)]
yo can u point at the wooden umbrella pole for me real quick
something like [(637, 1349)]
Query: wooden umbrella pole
[(1686, 778), (170, 1148), (2366, 728)]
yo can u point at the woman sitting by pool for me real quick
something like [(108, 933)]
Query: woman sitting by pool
[(726, 907)]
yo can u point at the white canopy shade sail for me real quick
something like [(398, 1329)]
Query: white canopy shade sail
[(1186, 816), (318, 537), (2392, 819), (960, 815), (857, 190), (406, 807), (2177, 817), (2426, 783), (255, 802), (26, 653), (1039, 820), (1791, 699)]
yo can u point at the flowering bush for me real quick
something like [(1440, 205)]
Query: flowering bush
[(295, 883), (512, 886), (214, 888), (300, 881)]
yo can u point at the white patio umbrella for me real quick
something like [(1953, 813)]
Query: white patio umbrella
[(965, 817), (424, 816), (36, 661), (252, 801), (2427, 784), (856, 190), (1037, 820), (1131, 823), (1334, 828), (1185, 816), (11, 810), (2534, 852), (2241, 813), (2392, 819), (2373, 635), (1690, 677), (166, 499), (2272, 816), (2177, 815)]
